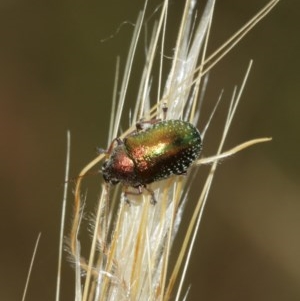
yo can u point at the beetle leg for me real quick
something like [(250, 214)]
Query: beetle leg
[(127, 192), (126, 200), (165, 110), (108, 151), (140, 124), (100, 150), (138, 192), (119, 141), (153, 199)]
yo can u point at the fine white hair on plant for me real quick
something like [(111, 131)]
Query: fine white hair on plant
[(131, 244)]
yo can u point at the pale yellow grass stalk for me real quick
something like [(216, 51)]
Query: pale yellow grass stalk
[(131, 244), (30, 267)]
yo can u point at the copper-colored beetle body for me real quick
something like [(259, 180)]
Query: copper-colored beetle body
[(163, 149)]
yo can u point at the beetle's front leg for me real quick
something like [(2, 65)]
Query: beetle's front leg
[(108, 151), (138, 192), (127, 192)]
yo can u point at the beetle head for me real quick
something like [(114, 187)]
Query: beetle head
[(107, 173)]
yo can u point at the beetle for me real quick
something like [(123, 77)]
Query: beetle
[(163, 149)]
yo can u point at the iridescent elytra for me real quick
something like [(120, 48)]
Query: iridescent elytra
[(161, 150)]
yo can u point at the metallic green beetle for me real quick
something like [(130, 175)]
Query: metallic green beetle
[(163, 149)]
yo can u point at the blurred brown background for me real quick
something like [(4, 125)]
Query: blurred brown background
[(55, 74)]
